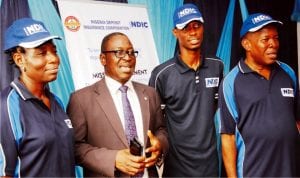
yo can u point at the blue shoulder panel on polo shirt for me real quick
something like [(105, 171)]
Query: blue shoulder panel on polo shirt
[(240, 144), (228, 90), (2, 161), (14, 115)]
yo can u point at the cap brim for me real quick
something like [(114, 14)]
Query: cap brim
[(37, 43), (182, 25), (264, 24)]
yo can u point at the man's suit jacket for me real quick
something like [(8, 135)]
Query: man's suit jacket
[(99, 133)]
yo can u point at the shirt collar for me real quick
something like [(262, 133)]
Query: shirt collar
[(184, 68), (244, 68), (23, 91), (114, 85)]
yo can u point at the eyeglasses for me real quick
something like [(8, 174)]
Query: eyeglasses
[(122, 53)]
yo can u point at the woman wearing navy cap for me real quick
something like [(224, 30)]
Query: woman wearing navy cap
[(36, 136)]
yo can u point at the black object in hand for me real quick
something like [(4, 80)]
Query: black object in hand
[(136, 147)]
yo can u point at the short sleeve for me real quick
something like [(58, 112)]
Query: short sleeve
[(228, 124), (8, 146)]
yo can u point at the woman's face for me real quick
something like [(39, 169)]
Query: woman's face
[(40, 64)]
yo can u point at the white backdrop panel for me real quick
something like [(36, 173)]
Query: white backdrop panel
[(85, 24)]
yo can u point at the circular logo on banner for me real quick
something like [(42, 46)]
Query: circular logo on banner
[(72, 23)]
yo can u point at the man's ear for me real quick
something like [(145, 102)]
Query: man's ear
[(246, 44), (102, 59)]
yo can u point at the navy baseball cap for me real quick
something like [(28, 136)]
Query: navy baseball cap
[(255, 22), (27, 33), (185, 14)]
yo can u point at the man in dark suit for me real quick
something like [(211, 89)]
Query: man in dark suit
[(96, 111)]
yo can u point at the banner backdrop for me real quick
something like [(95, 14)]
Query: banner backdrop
[(87, 22)]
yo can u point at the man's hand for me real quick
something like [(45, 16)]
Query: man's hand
[(154, 150), (128, 163)]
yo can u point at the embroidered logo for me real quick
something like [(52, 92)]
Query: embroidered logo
[(260, 18), (35, 28), (287, 92), (69, 123), (186, 11), (211, 82)]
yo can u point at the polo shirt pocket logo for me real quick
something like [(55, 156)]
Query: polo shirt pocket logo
[(287, 92), (211, 82), (69, 123)]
